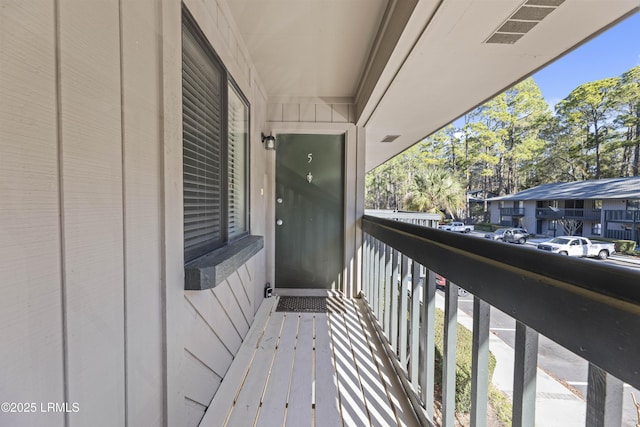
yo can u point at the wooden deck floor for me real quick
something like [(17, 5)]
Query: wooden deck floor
[(310, 369)]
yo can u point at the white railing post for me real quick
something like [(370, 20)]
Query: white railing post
[(404, 291), (449, 355), (415, 324), (480, 363), (366, 267), (524, 376), (394, 301), (388, 283), (381, 282), (427, 337), (604, 399), (375, 265)]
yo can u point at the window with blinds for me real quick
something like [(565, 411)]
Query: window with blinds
[(237, 159), (215, 138)]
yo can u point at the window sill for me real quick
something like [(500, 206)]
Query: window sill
[(211, 269)]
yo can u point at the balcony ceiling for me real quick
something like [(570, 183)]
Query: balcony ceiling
[(438, 67)]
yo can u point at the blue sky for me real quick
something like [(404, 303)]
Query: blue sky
[(608, 55)]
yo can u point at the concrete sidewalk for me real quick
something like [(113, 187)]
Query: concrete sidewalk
[(556, 405)]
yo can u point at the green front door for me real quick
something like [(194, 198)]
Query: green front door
[(309, 211)]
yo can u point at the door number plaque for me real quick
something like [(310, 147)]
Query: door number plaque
[(310, 159)]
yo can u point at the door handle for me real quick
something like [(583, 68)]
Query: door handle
[(279, 222)]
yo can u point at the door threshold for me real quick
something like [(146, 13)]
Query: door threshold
[(295, 292)]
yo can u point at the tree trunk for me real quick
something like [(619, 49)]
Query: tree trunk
[(636, 154), (596, 137)]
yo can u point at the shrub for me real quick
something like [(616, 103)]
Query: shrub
[(484, 226), (463, 362), (625, 246)]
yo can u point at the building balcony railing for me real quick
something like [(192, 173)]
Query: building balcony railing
[(622, 216), (591, 310), (512, 211), (560, 213)]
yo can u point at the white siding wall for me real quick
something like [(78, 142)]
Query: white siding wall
[(92, 206), (32, 345), (614, 205), (311, 111), (494, 212), (215, 323), (529, 219), (142, 164), (92, 308)]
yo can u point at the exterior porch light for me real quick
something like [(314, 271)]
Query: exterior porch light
[(269, 142)]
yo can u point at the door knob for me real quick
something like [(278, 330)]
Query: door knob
[(279, 200), (279, 222)]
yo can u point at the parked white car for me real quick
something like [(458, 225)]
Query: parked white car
[(578, 246), (460, 227)]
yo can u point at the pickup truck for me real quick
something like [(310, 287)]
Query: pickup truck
[(578, 246), (460, 227)]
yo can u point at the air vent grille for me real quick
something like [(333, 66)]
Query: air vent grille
[(527, 16), (390, 138)]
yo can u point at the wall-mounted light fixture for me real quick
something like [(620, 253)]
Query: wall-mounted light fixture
[(268, 142)]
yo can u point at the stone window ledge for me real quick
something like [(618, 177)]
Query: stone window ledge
[(211, 269)]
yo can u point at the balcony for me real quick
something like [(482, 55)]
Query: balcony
[(314, 361), (579, 214), (622, 216), (512, 212), (592, 310), (371, 361)]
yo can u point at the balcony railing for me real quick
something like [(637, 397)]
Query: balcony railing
[(592, 310), (622, 216), (512, 211), (557, 213)]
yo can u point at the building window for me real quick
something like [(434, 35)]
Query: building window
[(633, 205), (596, 229), (238, 136), (215, 119)]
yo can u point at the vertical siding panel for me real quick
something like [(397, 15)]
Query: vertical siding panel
[(92, 198), (172, 214), (141, 135), (31, 338)]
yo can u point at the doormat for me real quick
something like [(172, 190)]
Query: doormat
[(310, 304)]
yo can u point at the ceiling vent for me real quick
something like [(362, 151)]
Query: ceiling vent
[(390, 138), (523, 20)]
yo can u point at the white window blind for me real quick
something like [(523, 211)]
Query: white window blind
[(202, 85), (238, 125), (215, 118)]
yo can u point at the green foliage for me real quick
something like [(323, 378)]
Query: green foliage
[(514, 142), (486, 226), (435, 189), (501, 403), (463, 362), (587, 110), (625, 246)]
